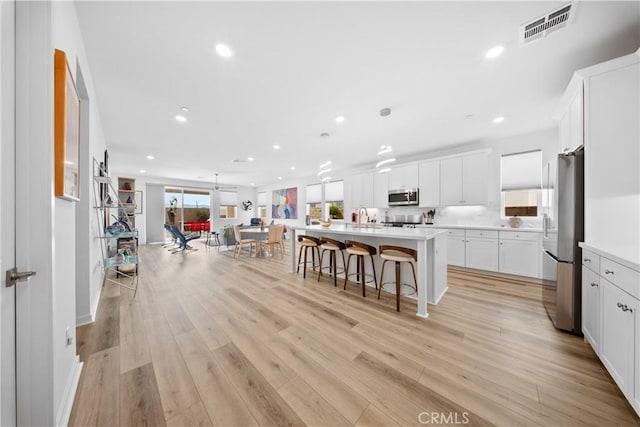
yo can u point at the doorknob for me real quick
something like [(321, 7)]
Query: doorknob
[(13, 276)]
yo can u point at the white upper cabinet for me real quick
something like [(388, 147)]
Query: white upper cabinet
[(429, 175), (362, 190), (403, 177), (570, 116), (380, 190), (463, 180)]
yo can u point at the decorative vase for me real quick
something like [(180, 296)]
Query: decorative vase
[(515, 222)]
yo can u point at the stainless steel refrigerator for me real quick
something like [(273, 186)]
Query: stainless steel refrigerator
[(563, 228)]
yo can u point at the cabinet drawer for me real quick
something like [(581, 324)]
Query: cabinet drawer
[(625, 278), (482, 233), (591, 261), (518, 235), (455, 233)]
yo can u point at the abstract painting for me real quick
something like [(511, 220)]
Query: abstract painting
[(284, 203)]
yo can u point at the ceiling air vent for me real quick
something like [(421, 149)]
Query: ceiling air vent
[(543, 26)]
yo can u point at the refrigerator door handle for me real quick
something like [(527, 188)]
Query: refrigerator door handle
[(545, 222)]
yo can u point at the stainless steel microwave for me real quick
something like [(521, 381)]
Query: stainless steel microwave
[(405, 197)]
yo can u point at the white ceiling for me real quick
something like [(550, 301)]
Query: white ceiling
[(298, 65)]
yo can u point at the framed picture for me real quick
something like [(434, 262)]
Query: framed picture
[(284, 203), (66, 130), (138, 200)]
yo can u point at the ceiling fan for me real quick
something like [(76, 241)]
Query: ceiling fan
[(222, 187)]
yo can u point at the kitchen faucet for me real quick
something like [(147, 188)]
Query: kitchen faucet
[(360, 212)]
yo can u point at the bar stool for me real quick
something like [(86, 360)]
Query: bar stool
[(398, 254), (360, 250), (333, 246), (306, 243)]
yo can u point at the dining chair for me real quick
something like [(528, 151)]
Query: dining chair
[(274, 239), (240, 243)]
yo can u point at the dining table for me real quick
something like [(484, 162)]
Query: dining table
[(256, 233)]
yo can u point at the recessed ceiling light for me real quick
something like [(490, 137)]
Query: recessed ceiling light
[(223, 50), (185, 109), (498, 120), (292, 168), (151, 157), (181, 118), (384, 162), (340, 119), (494, 52), (143, 171), (280, 178), (251, 159), (276, 147), (253, 184)]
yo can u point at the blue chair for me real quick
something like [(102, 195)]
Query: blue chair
[(173, 244), (183, 240)]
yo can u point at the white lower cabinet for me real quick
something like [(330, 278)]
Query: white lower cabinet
[(520, 253), (591, 307), (611, 319), (482, 253), (455, 248), (619, 312)]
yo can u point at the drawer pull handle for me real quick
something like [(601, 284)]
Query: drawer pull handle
[(608, 271), (624, 307), (587, 260), (594, 284)]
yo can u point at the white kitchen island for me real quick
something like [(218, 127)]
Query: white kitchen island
[(431, 246)]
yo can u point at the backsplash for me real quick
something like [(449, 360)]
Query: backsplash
[(460, 215)]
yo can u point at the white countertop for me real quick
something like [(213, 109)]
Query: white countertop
[(481, 227), (382, 232), (627, 263)]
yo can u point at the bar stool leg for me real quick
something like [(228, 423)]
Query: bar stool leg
[(321, 257), (415, 279), (373, 267), (397, 286), (304, 269), (335, 268), (363, 276), (299, 258), (382, 277), (346, 271), (313, 258)]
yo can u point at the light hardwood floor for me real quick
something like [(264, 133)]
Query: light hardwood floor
[(210, 340)]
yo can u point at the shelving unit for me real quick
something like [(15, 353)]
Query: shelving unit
[(119, 248)]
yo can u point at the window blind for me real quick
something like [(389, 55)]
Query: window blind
[(228, 198), (314, 193), (521, 171), (334, 191)]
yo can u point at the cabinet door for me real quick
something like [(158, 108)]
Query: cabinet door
[(591, 308), (367, 189), (618, 335), (451, 181), (355, 183), (474, 179), (395, 179), (429, 176), (576, 121), (520, 257), (482, 254), (410, 178), (455, 250), (380, 190)]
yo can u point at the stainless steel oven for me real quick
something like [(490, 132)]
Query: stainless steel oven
[(404, 197)]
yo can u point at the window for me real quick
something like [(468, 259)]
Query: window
[(334, 199), (184, 207), (314, 201), (262, 205), (521, 178), (228, 204)]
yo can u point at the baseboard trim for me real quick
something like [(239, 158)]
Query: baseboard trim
[(85, 319), (64, 411), (437, 300)]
